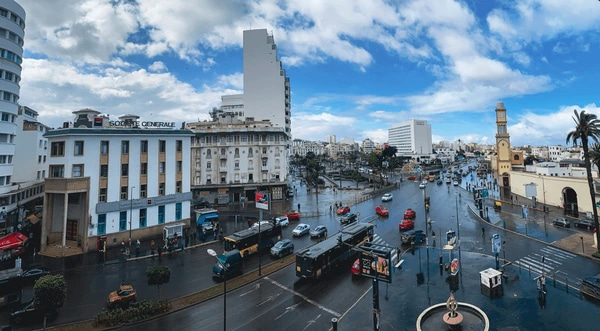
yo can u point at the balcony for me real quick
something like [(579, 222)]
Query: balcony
[(222, 169), (264, 168)]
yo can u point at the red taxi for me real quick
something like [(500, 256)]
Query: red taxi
[(410, 214), (382, 211), (343, 210), (293, 215), (406, 225)]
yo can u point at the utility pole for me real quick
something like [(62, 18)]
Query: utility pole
[(130, 212)]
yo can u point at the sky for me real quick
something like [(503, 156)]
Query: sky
[(356, 67)]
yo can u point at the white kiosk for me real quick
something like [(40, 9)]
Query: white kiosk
[(491, 283)]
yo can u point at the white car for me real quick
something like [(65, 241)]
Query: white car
[(301, 230), (422, 185), (262, 223), (455, 183), (282, 221), (387, 197)]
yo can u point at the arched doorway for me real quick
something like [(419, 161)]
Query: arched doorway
[(570, 206), (505, 192)]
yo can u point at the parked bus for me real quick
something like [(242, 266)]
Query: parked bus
[(246, 241), (316, 260)]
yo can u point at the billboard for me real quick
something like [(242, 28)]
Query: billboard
[(496, 243), (376, 263), (262, 200)]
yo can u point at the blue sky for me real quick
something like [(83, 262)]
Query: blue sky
[(356, 67)]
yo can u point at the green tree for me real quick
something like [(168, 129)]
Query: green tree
[(158, 275), (49, 294), (595, 156), (587, 127)]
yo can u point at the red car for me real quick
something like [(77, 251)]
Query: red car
[(412, 177), (343, 210), (382, 211), (355, 270), (293, 215), (410, 214), (406, 225)]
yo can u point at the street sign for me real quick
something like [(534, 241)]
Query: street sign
[(496, 243), (376, 263)]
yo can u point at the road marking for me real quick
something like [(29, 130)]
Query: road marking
[(270, 298), (355, 303), (309, 323), (254, 288), (314, 303), (287, 310), (560, 251)]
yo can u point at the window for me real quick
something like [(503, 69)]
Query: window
[(208, 154), (124, 170), (125, 147), (223, 152), (178, 211), (143, 189), (39, 159), (78, 147), (78, 170), (101, 224), (161, 214), (57, 171), (104, 147), (162, 146), (144, 146), (39, 174), (57, 148), (178, 166), (237, 164), (143, 217), (161, 167), (250, 154), (161, 189), (104, 171), (178, 187), (264, 162), (144, 168), (102, 195), (123, 221), (178, 145), (208, 165), (123, 192)]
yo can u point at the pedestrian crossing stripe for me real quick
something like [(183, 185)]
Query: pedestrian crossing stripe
[(551, 260), (378, 240)]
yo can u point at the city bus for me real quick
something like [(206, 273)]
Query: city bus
[(316, 260), (247, 241)]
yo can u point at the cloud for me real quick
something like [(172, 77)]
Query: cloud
[(157, 66)]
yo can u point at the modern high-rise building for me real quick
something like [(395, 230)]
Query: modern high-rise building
[(12, 32), (412, 137)]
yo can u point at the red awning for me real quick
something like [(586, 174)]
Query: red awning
[(12, 240)]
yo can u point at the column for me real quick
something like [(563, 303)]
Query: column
[(64, 229)]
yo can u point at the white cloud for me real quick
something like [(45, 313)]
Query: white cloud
[(379, 136), (157, 66)]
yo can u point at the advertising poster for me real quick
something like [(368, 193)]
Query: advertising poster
[(262, 200)]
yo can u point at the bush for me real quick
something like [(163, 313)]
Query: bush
[(135, 312)]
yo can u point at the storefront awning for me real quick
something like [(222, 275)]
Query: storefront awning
[(12, 240)]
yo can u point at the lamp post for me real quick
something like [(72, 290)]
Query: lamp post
[(211, 252), (130, 212), (457, 231)]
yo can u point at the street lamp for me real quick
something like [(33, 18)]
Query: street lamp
[(211, 252), (130, 212)]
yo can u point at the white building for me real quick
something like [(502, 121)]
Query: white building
[(302, 147), (120, 179), (232, 159), (330, 139), (31, 166), (412, 137), (368, 146), (12, 32), (555, 152)]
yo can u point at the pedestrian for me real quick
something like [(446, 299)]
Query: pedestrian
[(137, 248), (152, 247), (159, 252), (123, 246), (215, 235), (482, 231), (221, 237), (433, 235), (330, 208), (298, 206)]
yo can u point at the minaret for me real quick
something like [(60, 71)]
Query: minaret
[(503, 162)]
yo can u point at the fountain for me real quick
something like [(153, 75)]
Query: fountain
[(445, 316)]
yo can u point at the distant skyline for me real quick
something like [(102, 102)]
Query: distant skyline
[(356, 67)]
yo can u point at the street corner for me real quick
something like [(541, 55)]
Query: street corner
[(578, 243)]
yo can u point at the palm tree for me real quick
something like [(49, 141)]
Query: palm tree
[(587, 126), (595, 156)]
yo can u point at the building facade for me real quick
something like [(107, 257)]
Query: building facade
[(12, 32), (368, 146), (114, 179), (231, 160), (412, 137)]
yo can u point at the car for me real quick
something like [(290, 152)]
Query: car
[(281, 221), (590, 286), (355, 270), (343, 210), (282, 247), (439, 182), (301, 229), (387, 197), (585, 223), (319, 231), (262, 223), (422, 185), (413, 236), (382, 211), (448, 180), (410, 214), (406, 225), (29, 313), (348, 218), (293, 215), (201, 204), (561, 221), (32, 275), (412, 178), (122, 297), (455, 183)]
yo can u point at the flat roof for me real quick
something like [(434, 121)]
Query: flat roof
[(116, 132)]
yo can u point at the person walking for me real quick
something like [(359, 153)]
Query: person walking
[(152, 247)]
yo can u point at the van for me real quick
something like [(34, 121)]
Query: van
[(233, 263)]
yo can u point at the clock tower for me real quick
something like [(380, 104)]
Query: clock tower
[(503, 160)]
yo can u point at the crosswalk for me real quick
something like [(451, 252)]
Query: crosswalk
[(547, 260)]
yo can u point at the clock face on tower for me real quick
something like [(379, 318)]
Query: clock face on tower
[(500, 114)]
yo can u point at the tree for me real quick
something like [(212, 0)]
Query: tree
[(595, 156), (158, 275), (587, 127), (49, 294)]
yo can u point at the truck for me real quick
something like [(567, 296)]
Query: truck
[(172, 235), (206, 222)]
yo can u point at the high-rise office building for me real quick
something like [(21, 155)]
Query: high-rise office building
[(412, 137)]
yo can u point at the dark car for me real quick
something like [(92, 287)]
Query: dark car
[(348, 218), (561, 221), (413, 236), (318, 232), (32, 275), (282, 247), (201, 204), (29, 313), (584, 223)]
